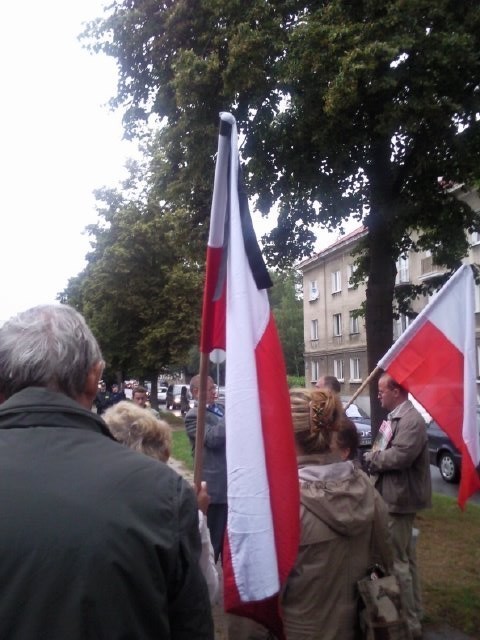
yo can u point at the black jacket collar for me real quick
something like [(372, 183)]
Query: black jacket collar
[(39, 407)]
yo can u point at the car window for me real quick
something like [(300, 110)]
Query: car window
[(434, 428)]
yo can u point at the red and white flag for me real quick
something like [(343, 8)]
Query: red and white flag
[(263, 496), (435, 360)]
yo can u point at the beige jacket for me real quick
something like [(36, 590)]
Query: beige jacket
[(343, 532), (403, 468)]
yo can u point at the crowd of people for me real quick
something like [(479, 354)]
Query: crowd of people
[(100, 539)]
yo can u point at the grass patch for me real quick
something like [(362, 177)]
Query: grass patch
[(181, 448), (448, 551), (174, 421)]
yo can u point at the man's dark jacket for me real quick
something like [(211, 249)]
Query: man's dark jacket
[(96, 540), (214, 468), (104, 400)]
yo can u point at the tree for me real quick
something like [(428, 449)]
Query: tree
[(347, 108), (138, 293), (287, 307)]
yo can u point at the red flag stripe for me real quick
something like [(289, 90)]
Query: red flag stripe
[(214, 311), (272, 375), (431, 368)]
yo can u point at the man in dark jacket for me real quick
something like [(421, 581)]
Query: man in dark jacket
[(117, 394), (103, 399), (214, 470), (97, 541)]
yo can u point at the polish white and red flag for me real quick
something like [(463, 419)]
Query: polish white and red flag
[(435, 360), (263, 495)]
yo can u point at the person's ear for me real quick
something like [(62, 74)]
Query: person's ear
[(93, 378), (91, 385)]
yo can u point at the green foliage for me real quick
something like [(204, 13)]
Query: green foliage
[(287, 308), (346, 108), (296, 382), (138, 293)]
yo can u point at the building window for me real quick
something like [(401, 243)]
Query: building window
[(351, 269), (313, 290), (475, 237), (400, 325), (403, 273), (337, 324), (314, 329), (477, 298), (338, 369), (336, 281), (354, 325), (355, 369), (315, 370)]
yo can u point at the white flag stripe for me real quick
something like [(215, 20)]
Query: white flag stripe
[(250, 522), (220, 193)]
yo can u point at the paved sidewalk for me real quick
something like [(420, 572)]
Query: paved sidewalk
[(181, 469), (443, 632)]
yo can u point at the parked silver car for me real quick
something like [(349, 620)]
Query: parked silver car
[(444, 454), (363, 424)]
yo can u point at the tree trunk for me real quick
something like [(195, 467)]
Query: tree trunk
[(382, 267), (154, 391), (379, 304)]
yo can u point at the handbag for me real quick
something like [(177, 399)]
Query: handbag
[(382, 613)]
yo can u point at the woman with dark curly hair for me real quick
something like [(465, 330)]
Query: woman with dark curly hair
[(343, 523)]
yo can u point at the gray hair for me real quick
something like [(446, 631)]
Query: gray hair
[(47, 346)]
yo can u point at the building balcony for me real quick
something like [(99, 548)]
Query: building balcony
[(427, 266), (354, 337)]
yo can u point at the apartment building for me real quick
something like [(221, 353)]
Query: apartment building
[(334, 333)]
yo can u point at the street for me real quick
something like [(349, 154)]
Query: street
[(447, 489)]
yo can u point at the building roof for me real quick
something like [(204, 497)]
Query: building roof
[(340, 242)]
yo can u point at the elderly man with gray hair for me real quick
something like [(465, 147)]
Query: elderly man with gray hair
[(97, 540)]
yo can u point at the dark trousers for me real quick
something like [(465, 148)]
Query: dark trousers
[(217, 523)]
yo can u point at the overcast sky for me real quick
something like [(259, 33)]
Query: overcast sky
[(59, 142)]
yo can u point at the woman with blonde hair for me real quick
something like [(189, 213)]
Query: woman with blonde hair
[(140, 430), (343, 524)]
